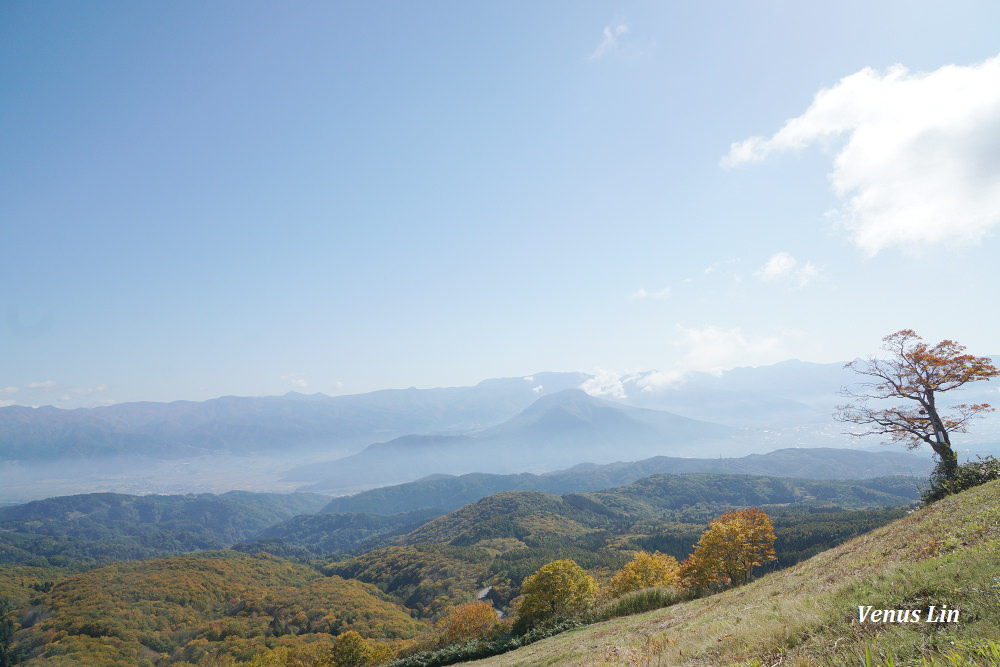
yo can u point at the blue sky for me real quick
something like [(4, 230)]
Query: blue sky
[(200, 199)]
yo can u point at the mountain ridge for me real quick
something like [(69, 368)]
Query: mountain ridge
[(230, 442), (451, 492), (566, 425)]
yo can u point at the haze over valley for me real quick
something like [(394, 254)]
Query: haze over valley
[(343, 444)]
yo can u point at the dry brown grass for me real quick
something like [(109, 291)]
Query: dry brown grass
[(804, 615)]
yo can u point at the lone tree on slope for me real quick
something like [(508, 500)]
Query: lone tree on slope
[(917, 373)]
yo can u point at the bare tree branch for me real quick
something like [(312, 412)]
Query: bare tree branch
[(917, 373)]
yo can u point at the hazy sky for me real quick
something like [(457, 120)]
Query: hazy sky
[(208, 198)]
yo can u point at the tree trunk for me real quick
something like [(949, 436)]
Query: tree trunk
[(941, 444)]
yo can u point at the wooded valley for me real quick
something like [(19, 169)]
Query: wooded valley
[(246, 578)]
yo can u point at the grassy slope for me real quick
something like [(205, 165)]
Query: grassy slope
[(948, 553)]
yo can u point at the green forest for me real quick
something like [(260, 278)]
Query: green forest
[(243, 578)]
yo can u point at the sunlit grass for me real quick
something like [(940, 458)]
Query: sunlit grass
[(948, 553)]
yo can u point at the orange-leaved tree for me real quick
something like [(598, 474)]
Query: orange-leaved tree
[(728, 550), (919, 373), (700, 572), (469, 621)]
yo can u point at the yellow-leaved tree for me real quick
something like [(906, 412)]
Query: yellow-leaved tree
[(350, 649), (643, 571), (558, 589), (729, 549)]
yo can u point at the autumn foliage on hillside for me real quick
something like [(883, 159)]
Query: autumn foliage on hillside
[(469, 621), (207, 609), (227, 608), (727, 552), (645, 570)]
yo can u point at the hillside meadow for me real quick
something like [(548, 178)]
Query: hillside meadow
[(947, 554)]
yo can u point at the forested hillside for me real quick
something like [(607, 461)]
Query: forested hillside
[(447, 492), (103, 527), (327, 532), (944, 555), (294, 588), (191, 608)]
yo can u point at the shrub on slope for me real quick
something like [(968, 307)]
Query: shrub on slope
[(946, 553)]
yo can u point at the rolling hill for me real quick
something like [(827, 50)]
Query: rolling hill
[(689, 497), (943, 555), (217, 606), (447, 492), (189, 608), (102, 527)]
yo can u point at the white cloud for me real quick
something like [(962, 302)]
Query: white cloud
[(604, 383), (296, 380), (779, 265), (611, 383), (91, 390), (10, 391), (656, 380), (807, 273), (709, 349), (713, 349), (920, 158), (610, 41), (641, 293), (782, 265), (48, 384)]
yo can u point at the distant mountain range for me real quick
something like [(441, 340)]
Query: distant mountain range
[(536, 423), (569, 426), (243, 425)]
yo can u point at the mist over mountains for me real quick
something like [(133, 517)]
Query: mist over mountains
[(342, 444), (566, 426), (260, 425)]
